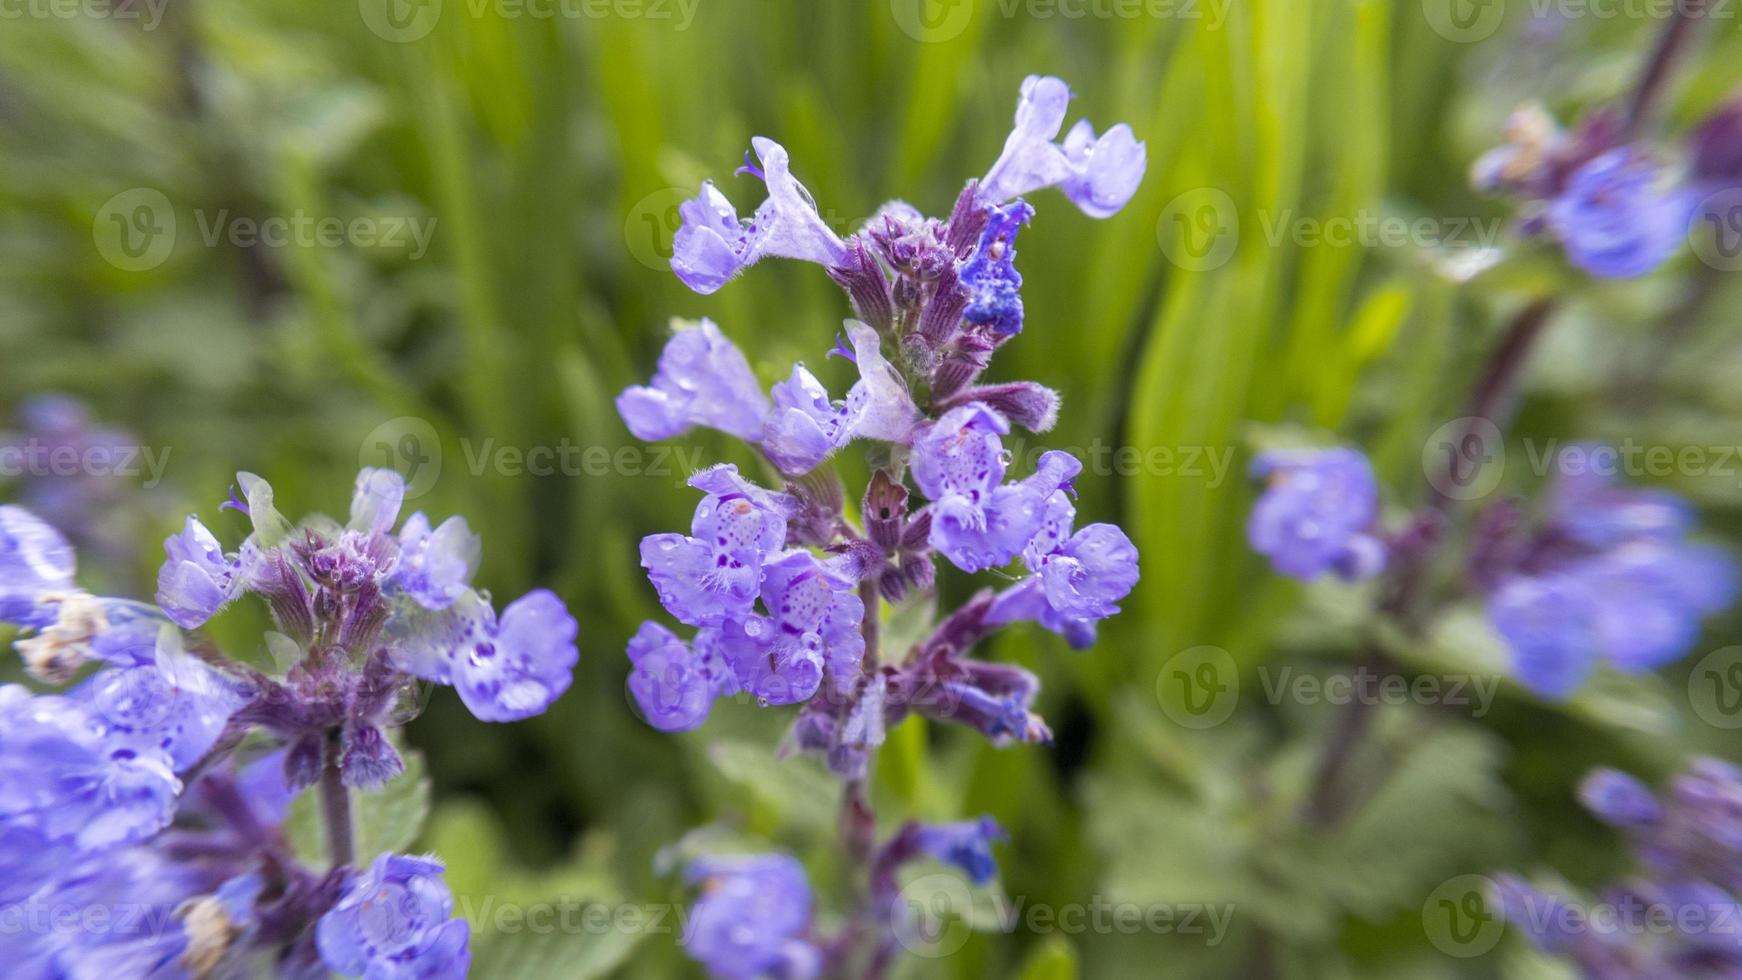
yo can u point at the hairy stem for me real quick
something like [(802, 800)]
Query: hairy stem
[(336, 808), (1491, 401), (1671, 45)]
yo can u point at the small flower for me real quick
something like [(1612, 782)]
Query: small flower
[(436, 567), (714, 573), (1078, 578), (197, 579), (977, 523), (34, 559), (64, 777), (675, 685), (395, 922), (1609, 577), (1098, 174), (1546, 623), (879, 405), (990, 275), (752, 919), (1619, 799), (503, 669), (1318, 514), (812, 628), (367, 760), (1615, 221), (703, 380), (713, 245), (966, 845), (176, 704), (804, 426)]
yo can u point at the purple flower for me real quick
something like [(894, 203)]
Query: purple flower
[(675, 685), (990, 277), (395, 922), (1610, 576), (1619, 799), (503, 669), (714, 574), (812, 628), (375, 501), (1318, 514), (1078, 578), (713, 245), (1614, 220), (142, 938), (879, 405), (977, 523), (1098, 174), (34, 559), (966, 845), (176, 704), (703, 380), (65, 778), (1597, 512), (1546, 623), (805, 426), (436, 567), (197, 578), (752, 919)]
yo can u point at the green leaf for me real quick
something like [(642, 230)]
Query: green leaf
[(553, 955), (794, 792), (1053, 959)]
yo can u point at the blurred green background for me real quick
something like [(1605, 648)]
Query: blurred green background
[(541, 150)]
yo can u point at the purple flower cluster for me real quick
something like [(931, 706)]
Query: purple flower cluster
[(1687, 846), (1617, 212), (161, 779), (754, 917), (1319, 513), (782, 585), (76, 474), (1607, 574)]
